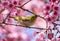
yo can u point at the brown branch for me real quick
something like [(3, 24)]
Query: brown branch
[(25, 26), (25, 3)]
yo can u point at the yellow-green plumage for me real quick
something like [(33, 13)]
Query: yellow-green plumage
[(27, 21)]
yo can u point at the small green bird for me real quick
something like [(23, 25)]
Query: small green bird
[(26, 21)]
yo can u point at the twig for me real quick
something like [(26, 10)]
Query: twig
[(25, 3)]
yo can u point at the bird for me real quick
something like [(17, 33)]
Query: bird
[(26, 21)]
